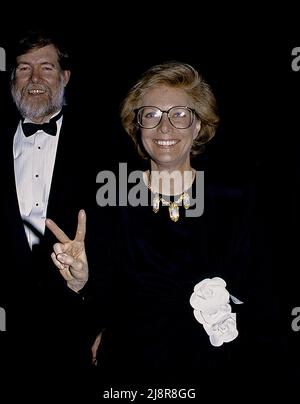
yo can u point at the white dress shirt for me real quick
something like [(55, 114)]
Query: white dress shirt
[(34, 158)]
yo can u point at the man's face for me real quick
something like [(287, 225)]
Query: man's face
[(38, 88)]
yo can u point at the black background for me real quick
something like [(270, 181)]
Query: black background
[(244, 54), (246, 57)]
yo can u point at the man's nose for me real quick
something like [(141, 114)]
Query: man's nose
[(35, 74)]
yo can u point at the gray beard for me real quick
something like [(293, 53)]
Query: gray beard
[(33, 110)]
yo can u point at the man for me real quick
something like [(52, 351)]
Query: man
[(44, 178)]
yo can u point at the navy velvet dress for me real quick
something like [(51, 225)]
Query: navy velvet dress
[(152, 336)]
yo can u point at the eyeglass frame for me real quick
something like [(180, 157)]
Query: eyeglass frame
[(194, 112)]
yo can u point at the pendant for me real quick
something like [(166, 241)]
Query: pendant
[(156, 200), (186, 200), (174, 211)]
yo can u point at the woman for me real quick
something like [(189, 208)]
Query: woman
[(170, 113), (183, 308)]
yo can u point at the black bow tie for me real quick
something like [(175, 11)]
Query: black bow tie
[(29, 128)]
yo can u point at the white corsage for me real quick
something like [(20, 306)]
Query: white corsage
[(210, 301)]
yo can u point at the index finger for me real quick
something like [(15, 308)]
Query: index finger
[(81, 226), (57, 231)]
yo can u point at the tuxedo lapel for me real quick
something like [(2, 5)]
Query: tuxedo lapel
[(73, 180), (63, 204)]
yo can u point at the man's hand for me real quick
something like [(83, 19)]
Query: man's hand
[(69, 255)]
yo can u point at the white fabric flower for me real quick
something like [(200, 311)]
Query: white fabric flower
[(212, 318), (210, 301), (223, 331), (209, 294)]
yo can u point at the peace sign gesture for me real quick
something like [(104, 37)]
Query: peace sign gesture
[(69, 255)]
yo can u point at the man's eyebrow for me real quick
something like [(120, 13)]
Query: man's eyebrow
[(21, 62), (48, 63)]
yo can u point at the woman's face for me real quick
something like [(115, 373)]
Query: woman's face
[(169, 147)]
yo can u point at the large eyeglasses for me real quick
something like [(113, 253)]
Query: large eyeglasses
[(179, 117)]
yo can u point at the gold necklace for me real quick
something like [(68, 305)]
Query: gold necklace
[(173, 206)]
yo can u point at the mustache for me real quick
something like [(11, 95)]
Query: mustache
[(41, 87)]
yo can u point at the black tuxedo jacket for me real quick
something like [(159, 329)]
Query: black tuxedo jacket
[(45, 319)]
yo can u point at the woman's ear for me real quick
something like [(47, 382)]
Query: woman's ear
[(197, 130)]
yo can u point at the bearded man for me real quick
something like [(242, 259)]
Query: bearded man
[(43, 177)]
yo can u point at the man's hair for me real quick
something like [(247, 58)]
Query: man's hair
[(38, 39)]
